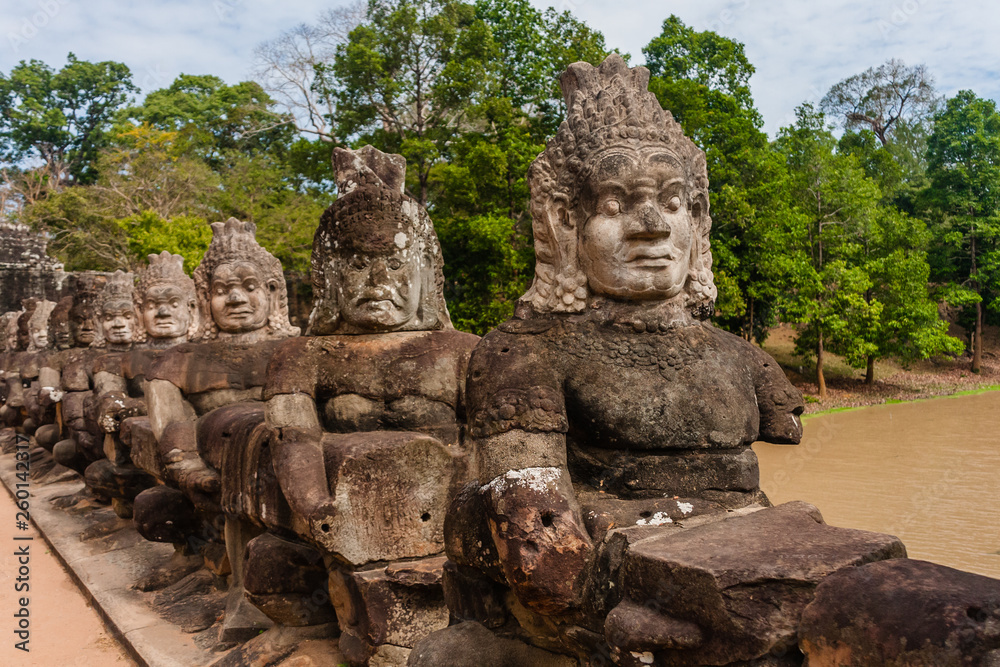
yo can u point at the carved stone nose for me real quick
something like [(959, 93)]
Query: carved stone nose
[(651, 222), (236, 296), (378, 274)]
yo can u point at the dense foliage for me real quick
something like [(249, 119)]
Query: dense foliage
[(856, 238)]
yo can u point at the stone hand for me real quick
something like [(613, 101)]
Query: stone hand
[(115, 408), (321, 520), (541, 541), (192, 474)]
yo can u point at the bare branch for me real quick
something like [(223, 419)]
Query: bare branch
[(286, 67)]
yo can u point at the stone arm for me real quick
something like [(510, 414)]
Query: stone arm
[(297, 452), (779, 402), (105, 382), (174, 424), (49, 379), (534, 517)]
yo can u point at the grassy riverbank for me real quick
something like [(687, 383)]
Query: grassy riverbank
[(846, 386)]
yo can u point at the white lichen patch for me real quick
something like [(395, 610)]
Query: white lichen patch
[(646, 657), (685, 508), (657, 519), (536, 479), (400, 239)]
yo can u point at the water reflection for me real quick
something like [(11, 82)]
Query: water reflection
[(927, 472)]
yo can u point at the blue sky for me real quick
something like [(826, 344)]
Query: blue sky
[(800, 48)]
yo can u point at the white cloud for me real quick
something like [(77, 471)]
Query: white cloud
[(799, 48)]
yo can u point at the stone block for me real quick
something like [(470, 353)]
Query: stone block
[(472, 645), (906, 613), (137, 435), (399, 605), (287, 581), (391, 491), (731, 590)]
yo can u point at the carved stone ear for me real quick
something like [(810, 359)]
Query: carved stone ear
[(562, 211), (699, 209)]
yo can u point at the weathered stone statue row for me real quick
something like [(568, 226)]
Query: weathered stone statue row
[(575, 488)]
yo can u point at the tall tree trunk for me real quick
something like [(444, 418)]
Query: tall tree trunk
[(977, 343), (820, 380), (870, 373)]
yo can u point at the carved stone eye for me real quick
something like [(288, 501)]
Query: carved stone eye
[(674, 203), (394, 263), (251, 287), (611, 207), (357, 262)]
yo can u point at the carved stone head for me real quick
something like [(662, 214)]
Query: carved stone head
[(8, 328), (619, 200), (240, 286), (85, 288), (38, 327), (376, 261), (23, 332), (59, 328), (166, 302), (116, 317)]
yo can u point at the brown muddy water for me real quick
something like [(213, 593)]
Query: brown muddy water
[(927, 472)]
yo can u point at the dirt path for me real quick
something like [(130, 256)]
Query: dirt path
[(65, 630)]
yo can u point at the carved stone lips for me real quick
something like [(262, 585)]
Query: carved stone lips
[(650, 257)]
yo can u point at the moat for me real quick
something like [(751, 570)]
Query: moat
[(925, 471)]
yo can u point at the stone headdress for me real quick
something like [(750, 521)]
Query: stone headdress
[(608, 107), (236, 241), (40, 320), (164, 269), (59, 319), (120, 288), (372, 210)]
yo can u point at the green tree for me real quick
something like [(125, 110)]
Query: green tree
[(860, 288), (257, 188), (837, 204), (703, 79), (406, 77), (479, 196), (210, 117), (148, 233), (894, 256), (61, 119), (964, 198)]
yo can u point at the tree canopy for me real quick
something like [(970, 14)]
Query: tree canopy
[(852, 238)]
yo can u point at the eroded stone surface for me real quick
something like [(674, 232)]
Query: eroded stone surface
[(608, 400), (397, 605), (468, 644), (734, 589), (903, 612)]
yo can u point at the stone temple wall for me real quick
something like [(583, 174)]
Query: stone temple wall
[(25, 268)]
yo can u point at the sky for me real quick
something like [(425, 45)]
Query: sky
[(799, 47)]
